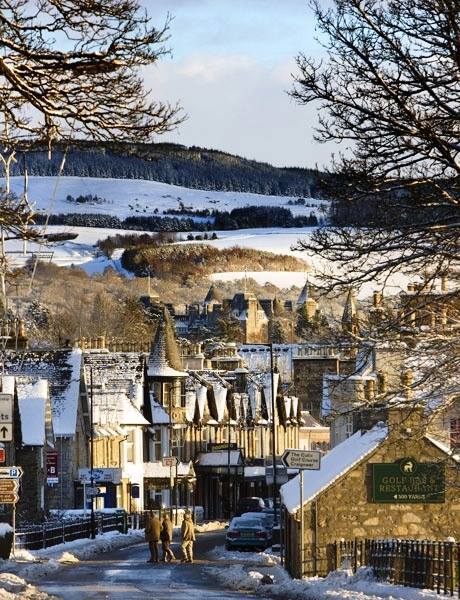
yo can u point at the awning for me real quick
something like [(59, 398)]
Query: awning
[(219, 460), (156, 470)]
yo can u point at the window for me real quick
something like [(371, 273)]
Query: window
[(130, 447), (455, 432), (156, 444), (348, 425), (177, 441)]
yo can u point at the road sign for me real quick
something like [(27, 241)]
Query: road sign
[(281, 471), (52, 467), (13, 472), (6, 432), (302, 459), (92, 491), (2, 455), (6, 408), (170, 461), (8, 485), (8, 498), (100, 475)]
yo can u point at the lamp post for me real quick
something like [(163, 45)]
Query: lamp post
[(275, 512), (93, 521)]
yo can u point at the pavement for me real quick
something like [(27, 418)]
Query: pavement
[(124, 574)]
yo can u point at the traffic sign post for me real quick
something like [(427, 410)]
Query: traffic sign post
[(170, 461), (303, 460), (13, 472), (6, 432)]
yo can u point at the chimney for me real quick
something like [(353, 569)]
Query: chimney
[(444, 283), (369, 390), (377, 299), (407, 380), (406, 420)]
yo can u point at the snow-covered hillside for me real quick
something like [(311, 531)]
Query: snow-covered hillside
[(128, 197)]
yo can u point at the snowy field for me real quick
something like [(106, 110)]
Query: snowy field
[(128, 197), (81, 252)]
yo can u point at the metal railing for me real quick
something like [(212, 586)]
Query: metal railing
[(414, 563), (50, 534)]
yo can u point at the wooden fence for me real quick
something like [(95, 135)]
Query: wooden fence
[(415, 563)]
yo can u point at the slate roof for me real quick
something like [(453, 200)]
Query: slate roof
[(158, 363), (213, 296)]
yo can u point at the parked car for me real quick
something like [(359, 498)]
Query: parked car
[(268, 502), (266, 518), (252, 504), (247, 533)]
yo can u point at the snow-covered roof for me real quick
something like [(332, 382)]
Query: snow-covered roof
[(32, 400), (157, 470), (129, 414), (62, 370), (250, 472), (335, 464), (219, 459), (444, 447), (159, 415), (158, 364)]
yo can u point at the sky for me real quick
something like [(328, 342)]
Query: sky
[(230, 68)]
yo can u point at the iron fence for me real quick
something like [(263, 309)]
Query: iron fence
[(50, 534), (414, 563)]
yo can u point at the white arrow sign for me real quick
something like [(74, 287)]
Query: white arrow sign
[(13, 472), (302, 459)]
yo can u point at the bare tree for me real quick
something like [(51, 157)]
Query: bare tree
[(73, 67), (389, 92)]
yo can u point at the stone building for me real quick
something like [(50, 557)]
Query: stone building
[(311, 364), (393, 481), (60, 372)]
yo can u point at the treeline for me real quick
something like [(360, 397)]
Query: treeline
[(191, 167), (190, 262), (239, 218)]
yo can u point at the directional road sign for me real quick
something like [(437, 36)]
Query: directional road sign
[(8, 498), (13, 472), (2, 454), (6, 408), (302, 459), (6, 432), (170, 461), (8, 485)]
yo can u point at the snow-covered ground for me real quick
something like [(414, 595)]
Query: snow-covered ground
[(126, 197), (338, 585)]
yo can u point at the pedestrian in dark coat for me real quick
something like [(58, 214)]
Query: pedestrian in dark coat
[(188, 537), (166, 538), (152, 535)]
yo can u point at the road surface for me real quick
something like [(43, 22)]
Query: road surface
[(125, 575)]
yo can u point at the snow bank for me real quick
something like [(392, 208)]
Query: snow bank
[(12, 587), (4, 529), (210, 526), (338, 585), (37, 564)]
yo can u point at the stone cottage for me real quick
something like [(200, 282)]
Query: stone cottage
[(393, 481)]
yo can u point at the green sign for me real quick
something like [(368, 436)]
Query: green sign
[(407, 481)]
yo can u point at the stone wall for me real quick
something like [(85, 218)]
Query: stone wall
[(345, 510)]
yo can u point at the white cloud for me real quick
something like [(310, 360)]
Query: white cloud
[(236, 104)]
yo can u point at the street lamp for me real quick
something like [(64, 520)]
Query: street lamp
[(93, 520)]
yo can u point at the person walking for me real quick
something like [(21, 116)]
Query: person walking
[(166, 538), (152, 535), (188, 537)]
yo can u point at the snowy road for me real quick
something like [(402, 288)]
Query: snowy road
[(124, 575)]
